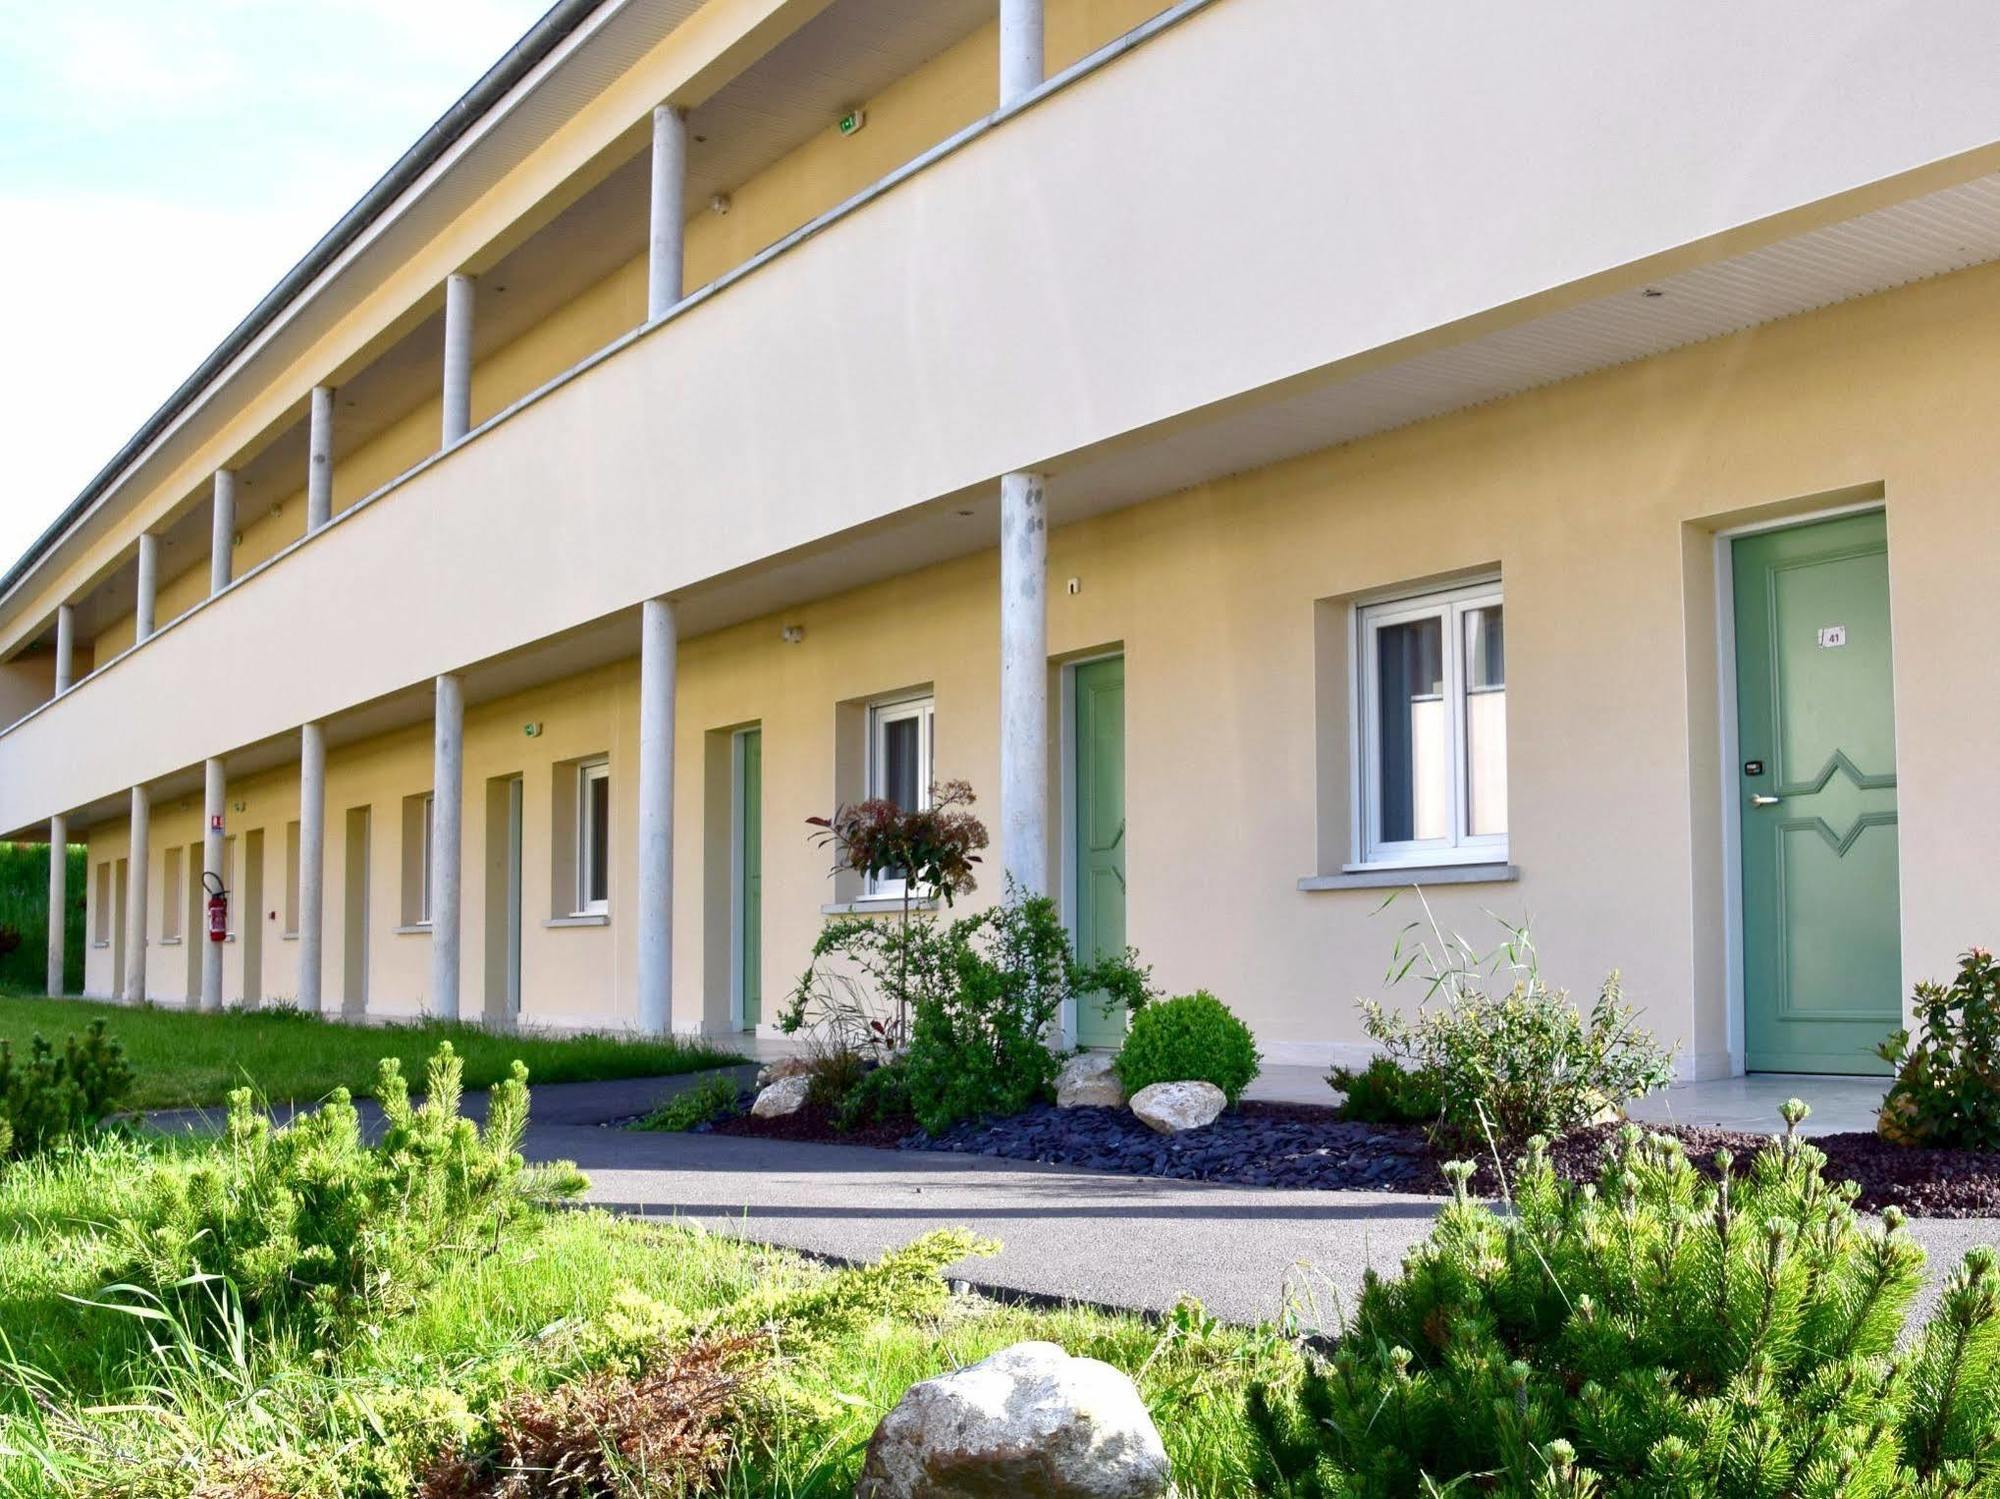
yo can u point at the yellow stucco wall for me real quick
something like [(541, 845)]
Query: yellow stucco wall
[(1597, 499)]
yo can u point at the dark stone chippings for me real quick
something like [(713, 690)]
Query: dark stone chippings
[(1303, 1145), (1264, 1145)]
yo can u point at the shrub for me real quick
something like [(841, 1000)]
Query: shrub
[(1947, 1087), (1385, 1092), (715, 1097), (1194, 1038), (1523, 1061), (832, 1072), (667, 1432), (980, 1043), (881, 1097), (1658, 1334), (865, 977), (51, 1097), (307, 1220)]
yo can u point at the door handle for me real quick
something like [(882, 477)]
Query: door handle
[(1765, 801)]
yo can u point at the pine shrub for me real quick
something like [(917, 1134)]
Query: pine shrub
[(1658, 1334), (666, 1432), (1386, 1092), (52, 1096), (1947, 1087), (1193, 1038), (715, 1097), (307, 1220), (881, 1097)]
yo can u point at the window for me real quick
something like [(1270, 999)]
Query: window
[(1433, 760), (901, 765), (291, 879), (170, 898), (593, 838), (100, 931), (424, 869)]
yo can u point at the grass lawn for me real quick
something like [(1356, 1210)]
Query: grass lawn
[(185, 1060), (87, 1407)]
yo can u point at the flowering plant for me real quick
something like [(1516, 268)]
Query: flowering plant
[(932, 847)]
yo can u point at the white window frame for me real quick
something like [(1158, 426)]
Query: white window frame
[(1450, 606), (587, 774), (880, 716), (424, 870)]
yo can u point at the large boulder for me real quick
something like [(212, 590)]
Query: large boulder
[(783, 1067), (1030, 1422), (1170, 1108), (1088, 1082), (786, 1096)]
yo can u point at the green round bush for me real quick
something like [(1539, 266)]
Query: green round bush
[(1190, 1039)]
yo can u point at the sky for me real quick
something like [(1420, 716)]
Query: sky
[(162, 164)]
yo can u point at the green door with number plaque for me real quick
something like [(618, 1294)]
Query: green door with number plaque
[(1822, 965), (1098, 709)]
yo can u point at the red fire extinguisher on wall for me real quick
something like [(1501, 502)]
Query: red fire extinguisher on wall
[(218, 906)]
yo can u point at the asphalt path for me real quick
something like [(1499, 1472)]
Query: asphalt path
[(1248, 1254)]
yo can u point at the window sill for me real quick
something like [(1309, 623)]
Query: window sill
[(97, 943), (878, 905), (582, 918), (414, 929), (288, 936), (170, 942), (1396, 876)]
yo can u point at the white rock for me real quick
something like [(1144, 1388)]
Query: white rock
[(786, 1096), (770, 1072), (1030, 1421), (1173, 1107), (1087, 1082)]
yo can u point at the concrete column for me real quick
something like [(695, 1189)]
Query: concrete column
[(149, 586), (447, 797), (1024, 681), (65, 648), (222, 531), (137, 858), (659, 648), (58, 897), (665, 252), (1021, 61), (319, 458), (312, 861), (215, 794), (457, 358)]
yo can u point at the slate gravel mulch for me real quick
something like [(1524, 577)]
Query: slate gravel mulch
[(1254, 1145), (1303, 1145)]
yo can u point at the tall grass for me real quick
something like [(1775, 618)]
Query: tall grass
[(185, 1059), (24, 911), (96, 1398)]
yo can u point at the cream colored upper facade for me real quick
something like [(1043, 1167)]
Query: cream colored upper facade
[(1296, 305)]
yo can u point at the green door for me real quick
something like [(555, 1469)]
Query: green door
[(1099, 717), (1822, 967), (750, 874)]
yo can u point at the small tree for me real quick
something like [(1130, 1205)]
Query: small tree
[(931, 849)]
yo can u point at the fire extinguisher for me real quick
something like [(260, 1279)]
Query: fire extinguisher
[(218, 906)]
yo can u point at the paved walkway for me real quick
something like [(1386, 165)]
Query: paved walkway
[(1248, 1253)]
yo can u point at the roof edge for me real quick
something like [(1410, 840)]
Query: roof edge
[(541, 39)]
